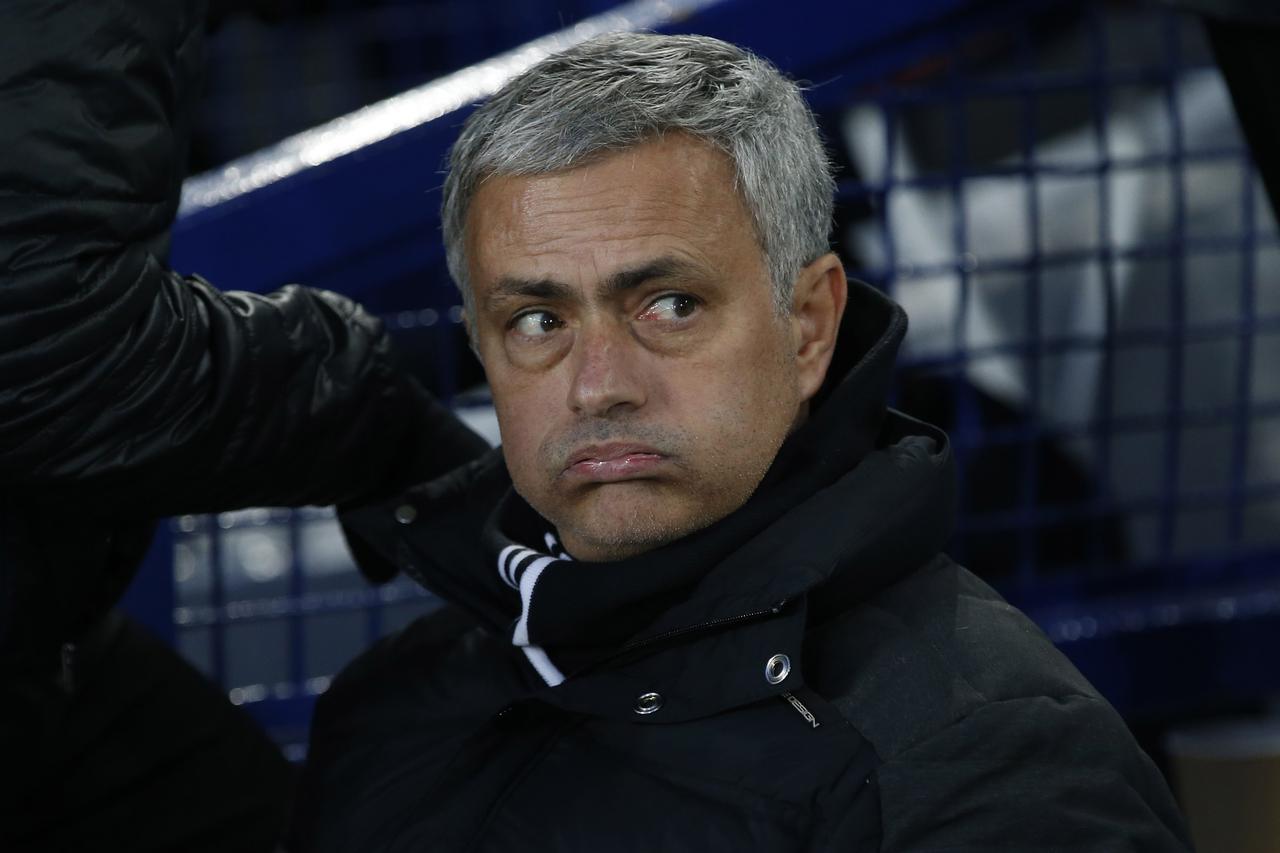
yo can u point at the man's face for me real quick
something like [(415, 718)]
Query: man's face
[(642, 378)]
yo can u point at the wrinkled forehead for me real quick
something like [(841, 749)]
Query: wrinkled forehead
[(677, 192)]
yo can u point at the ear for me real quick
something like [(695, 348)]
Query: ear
[(821, 292)]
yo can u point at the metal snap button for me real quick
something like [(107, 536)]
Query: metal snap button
[(406, 513), (647, 703), (777, 669)]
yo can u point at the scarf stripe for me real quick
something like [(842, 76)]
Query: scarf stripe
[(520, 568), (519, 565), (527, 582), (503, 563), (543, 665)]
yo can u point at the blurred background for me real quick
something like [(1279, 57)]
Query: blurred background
[(1062, 195)]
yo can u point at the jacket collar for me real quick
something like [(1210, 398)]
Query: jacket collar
[(856, 498), (709, 651)]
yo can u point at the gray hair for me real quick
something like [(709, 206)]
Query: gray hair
[(620, 90)]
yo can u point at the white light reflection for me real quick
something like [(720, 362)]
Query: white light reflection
[(415, 107)]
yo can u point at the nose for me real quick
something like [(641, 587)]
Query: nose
[(607, 371)]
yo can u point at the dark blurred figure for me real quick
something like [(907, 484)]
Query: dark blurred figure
[(130, 392), (1245, 35)]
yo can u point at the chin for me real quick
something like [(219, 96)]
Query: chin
[(623, 525)]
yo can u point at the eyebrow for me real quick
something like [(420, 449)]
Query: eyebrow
[(628, 279)]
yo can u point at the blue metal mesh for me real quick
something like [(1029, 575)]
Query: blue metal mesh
[(1091, 266), (1060, 196), (270, 604), (1120, 340)]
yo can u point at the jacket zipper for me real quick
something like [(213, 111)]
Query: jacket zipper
[(704, 626), (679, 632)]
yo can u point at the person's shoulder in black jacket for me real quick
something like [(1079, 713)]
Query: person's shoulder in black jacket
[(130, 391), (978, 717), (120, 375)]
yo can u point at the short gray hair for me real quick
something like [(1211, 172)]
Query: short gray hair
[(619, 90)]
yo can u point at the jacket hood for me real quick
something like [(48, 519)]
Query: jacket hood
[(857, 497)]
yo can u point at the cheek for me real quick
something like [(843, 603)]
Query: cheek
[(771, 397), (745, 402), (764, 370), (523, 421)]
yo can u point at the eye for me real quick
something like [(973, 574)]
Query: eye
[(676, 306), (535, 324)]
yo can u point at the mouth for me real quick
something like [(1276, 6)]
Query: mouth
[(614, 462)]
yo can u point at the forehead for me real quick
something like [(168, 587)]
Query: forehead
[(674, 195)]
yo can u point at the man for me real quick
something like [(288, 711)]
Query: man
[(129, 392), (696, 600)]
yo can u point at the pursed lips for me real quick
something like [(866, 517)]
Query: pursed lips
[(612, 462)]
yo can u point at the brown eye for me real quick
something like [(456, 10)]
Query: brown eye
[(677, 306), (535, 324)]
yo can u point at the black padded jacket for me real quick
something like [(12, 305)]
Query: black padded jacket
[(807, 674), (127, 390)]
